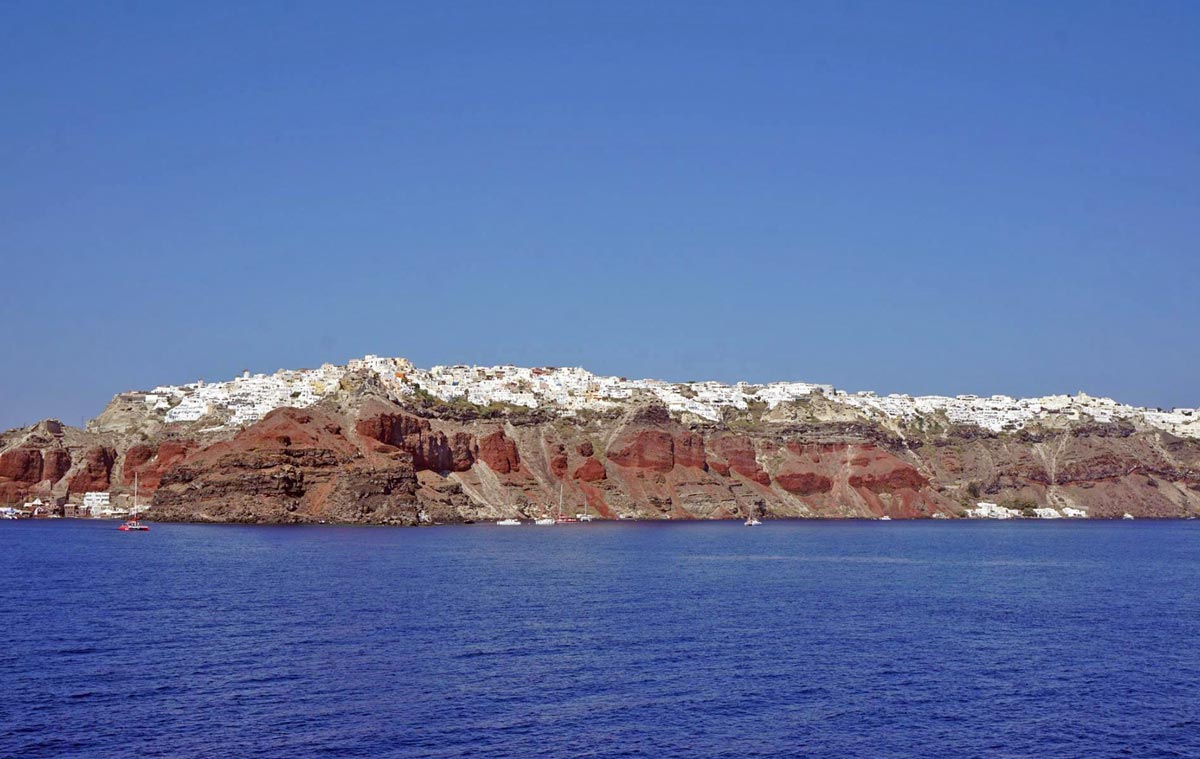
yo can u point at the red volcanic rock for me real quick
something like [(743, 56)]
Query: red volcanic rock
[(462, 452), (288, 428), (392, 429), (362, 458), (864, 465), (22, 465), (689, 450), (558, 465), (96, 473), (804, 483), (292, 466), (740, 454), (430, 449), (56, 463), (590, 471), (886, 473), (1099, 466), (645, 449), (758, 475), (880, 471), (499, 453), (135, 458), (23, 468), (173, 450), (901, 478), (152, 469), (138, 455), (803, 474)]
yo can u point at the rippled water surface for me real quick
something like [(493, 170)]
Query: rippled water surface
[(827, 639)]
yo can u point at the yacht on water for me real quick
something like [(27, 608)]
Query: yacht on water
[(560, 517), (510, 522), (132, 524), (550, 519), (752, 519), (885, 518)]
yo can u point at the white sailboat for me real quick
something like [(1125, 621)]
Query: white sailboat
[(752, 520), (547, 520), (586, 516), (132, 524), (559, 517)]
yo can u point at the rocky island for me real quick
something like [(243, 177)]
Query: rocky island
[(379, 441)]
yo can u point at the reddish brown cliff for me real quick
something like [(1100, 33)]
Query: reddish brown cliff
[(499, 453), (97, 471), (293, 466), (367, 459)]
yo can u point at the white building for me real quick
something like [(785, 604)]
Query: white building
[(986, 510), (569, 390), (99, 505)]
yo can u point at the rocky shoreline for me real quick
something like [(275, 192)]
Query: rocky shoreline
[(302, 521), (363, 457)]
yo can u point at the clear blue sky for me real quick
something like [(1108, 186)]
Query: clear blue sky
[(923, 198)]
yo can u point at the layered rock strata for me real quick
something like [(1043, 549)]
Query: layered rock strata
[(363, 456)]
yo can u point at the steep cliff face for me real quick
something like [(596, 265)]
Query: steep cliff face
[(96, 473), (430, 449), (151, 462), (1106, 471), (49, 458), (20, 472), (292, 466), (658, 465), (362, 458)]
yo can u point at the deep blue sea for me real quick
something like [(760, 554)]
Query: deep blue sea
[(818, 639)]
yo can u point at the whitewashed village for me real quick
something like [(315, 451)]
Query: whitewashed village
[(569, 391)]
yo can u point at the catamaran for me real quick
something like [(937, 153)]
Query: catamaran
[(132, 524)]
